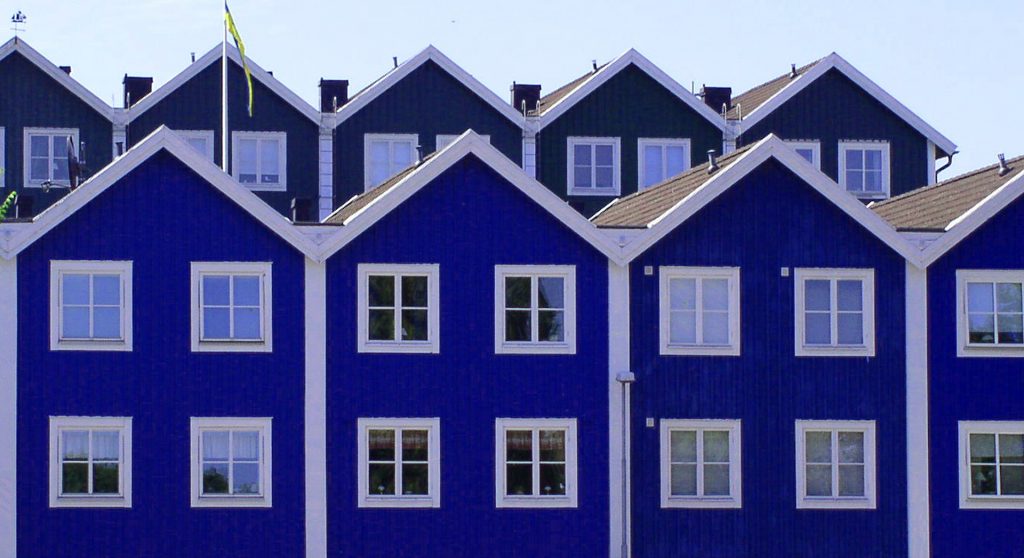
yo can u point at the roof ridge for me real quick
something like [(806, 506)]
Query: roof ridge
[(946, 183), (776, 78)]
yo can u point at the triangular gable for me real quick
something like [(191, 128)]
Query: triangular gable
[(214, 55), (429, 54), (609, 70), (62, 77), (770, 146), (469, 143), (871, 88), (163, 138)]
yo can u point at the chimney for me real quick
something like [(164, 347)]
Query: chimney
[(302, 210), (716, 97), (523, 92), (333, 94), (23, 207), (136, 88), (66, 69)]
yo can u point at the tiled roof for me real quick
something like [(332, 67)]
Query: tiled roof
[(549, 100), (640, 209), (746, 102), (362, 200), (933, 208)]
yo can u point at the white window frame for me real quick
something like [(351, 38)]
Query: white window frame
[(993, 502), (27, 151), (444, 140), (568, 274), (120, 424), (206, 135), (282, 158), (571, 143), (264, 270), (883, 146), (814, 146), (414, 139), (57, 269), (735, 498), (641, 161), (666, 274), (433, 498), (867, 502), (867, 277), (197, 425), (964, 347), (569, 499), (433, 342)]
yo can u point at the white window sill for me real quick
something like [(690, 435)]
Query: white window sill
[(91, 345), (231, 502), (835, 504), (835, 351), (701, 350), (992, 503), (993, 350), (536, 502), (679, 502), (596, 192), (90, 502), (399, 502), (535, 349), (232, 347), (424, 347)]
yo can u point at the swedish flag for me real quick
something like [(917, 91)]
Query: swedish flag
[(230, 23)]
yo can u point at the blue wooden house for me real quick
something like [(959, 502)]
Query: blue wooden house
[(844, 124), (41, 106)]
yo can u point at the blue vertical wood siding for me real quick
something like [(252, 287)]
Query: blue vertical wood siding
[(785, 223), (162, 217)]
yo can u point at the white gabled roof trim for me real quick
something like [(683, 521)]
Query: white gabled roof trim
[(162, 138), (609, 70), (771, 146), (469, 143), (839, 63), (431, 53), (51, 69), (214, 55)]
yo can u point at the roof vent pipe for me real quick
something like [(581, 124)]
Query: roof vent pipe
[(1003, 169), (792, 71), (394, 60), (593, 64), (712, 162)]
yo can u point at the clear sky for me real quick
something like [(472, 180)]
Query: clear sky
[(951, 62)]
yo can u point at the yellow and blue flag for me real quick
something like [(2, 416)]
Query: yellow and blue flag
[(230, 22)]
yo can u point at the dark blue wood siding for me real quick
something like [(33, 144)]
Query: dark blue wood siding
[(428, 102), (29, 98), (162, 217), (784, 224), (468, 220), (195, 105), (970, 389), (833, 108), (630, 105)]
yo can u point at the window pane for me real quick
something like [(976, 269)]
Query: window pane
[(683, 445), (414, 292), (382, 445), (518, 480), (401, 155), (851, 328), (716, 446), (652, 165), (75, 478), (684, 480), (851, 480), (76, 445), (215, 478), (269, 159), (807, 154), (603, 155), (246, 446), (873, 181), (106, 289), (979, 297), (552, 445), (1011, 480), (105, 478), (379, 152), (1009, 297), (854, 180), (818, 328), (414, 325), (604, 177), (518, 445), (382, 290), (246, 478), (851, 447), (517, 292), (1011, 328), (106, 446), (381, 325), (675, 162), (379, 172), (247, 290), (983, 479), (817, 295), (819, 480), (716, 480), (982, 328), (414, 445), (551, 292), (683, 294), (215, 446), (552, 480), (247, 323), (415, 479), (849, 294), (75, 288), (581, 177), (215, 290), (75, 324), (1011, 448), (247, 168), (819, 447), (382, 478), (551, 326), (873, 159), (581, 155), (716, 294), (40, 146), (854, 159), (106, 323), (683, 327), (216, 323), (199, 144), (983, 448), (517, 325), (716, 328), (39, 169)]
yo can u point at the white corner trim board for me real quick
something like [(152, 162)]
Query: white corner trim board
[(9, 408)]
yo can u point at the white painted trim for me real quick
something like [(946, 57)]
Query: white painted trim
[(730, 274), (433, 497), (9, 408), (264, 425), (325, 174), (641, 161), (570, 160), (530, 155), (264, 271), (880, 145), (444, 140), (19, 45), (918, 458), (568, 274), (433, 274), (609, 70), (930, 161), (619, 457), (391, 139), (282, 159), (814, 146), (733, 427), (315, 409), (205, 135), (26, 152), (385, 82), (967, 501), (869, 500), (569, 500), (123, 425), (867, 278), (964, 348), (871, 88), (121, 268)]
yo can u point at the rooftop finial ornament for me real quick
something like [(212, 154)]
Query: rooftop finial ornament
[(18, 23)]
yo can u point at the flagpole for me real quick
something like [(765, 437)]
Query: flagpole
[(224, 97)]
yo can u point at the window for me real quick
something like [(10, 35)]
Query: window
[(231, 462), (444, 140), (90, 462), (835, 312), (535, 463), (399, 463), (991, 464), (385, 155), (535, 309), (201, 140), (810, 150), (398, 308), (231, 306), (700, 464), (864, 168), (835, 464), (90, 305), (593, 168), (661, 158), (990, 319), (259, 160), (700, 310), (46, 155)]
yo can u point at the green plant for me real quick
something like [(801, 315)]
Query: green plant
[(7, 205)]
